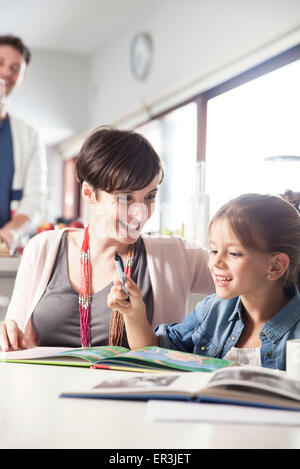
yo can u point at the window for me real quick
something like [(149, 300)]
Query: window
[(222, 142), (71, 191), (174, 137), (246, 128)]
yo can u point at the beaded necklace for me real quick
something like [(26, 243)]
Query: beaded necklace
[(116, 327)]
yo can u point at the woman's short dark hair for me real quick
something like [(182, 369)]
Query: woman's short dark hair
[(18, 44), (114, 160)]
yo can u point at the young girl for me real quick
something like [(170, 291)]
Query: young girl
[(254, 260)]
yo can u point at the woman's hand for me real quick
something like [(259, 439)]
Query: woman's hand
[(138, 330), (11, 337), (8, 236)]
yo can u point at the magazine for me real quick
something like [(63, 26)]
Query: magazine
[(154, 359), (243, 385)]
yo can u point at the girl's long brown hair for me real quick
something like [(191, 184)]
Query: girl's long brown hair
[(266, 223)]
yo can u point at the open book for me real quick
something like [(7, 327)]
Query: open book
[(117, 358), (243, 385)]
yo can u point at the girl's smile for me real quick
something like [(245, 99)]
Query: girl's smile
[(222, 281)]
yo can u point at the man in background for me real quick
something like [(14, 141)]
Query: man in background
[(23, 171)]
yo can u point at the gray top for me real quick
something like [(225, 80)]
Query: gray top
[(56, 317)]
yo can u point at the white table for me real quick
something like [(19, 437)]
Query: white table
[(32, 415)]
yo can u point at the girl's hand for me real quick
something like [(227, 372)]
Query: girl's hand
[(135, 308), (138, 330), (11, 337)]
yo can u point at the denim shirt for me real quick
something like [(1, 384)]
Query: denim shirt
[(215, 326)]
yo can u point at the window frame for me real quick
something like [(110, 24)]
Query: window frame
[(201, 99)]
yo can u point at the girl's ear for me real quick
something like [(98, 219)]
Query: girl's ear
[(88, 193), (279, 264)]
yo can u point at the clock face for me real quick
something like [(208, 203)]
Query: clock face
[(141, 55)]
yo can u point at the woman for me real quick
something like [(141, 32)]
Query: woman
[(65, 276)]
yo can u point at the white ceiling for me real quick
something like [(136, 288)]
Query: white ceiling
[(77, 26)]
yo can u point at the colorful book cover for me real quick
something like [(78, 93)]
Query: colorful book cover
[(113, 357), (161, 359)]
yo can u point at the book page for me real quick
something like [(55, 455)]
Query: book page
[(32, 353), (257, 378), (146, 384), (90, 354)]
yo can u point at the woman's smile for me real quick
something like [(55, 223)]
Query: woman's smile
[(132, 228)]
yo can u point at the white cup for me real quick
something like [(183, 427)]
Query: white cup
[(293, 359)]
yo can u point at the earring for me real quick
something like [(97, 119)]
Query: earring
[(268, 276)]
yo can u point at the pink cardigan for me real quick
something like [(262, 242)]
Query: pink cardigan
[(175, 268)]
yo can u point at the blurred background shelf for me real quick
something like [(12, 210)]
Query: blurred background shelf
[(8, 271)]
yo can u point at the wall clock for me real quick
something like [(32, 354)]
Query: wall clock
[(141, 52)]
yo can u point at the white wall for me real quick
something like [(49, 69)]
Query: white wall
[(54, 184), (197, 43), (53, 96)]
